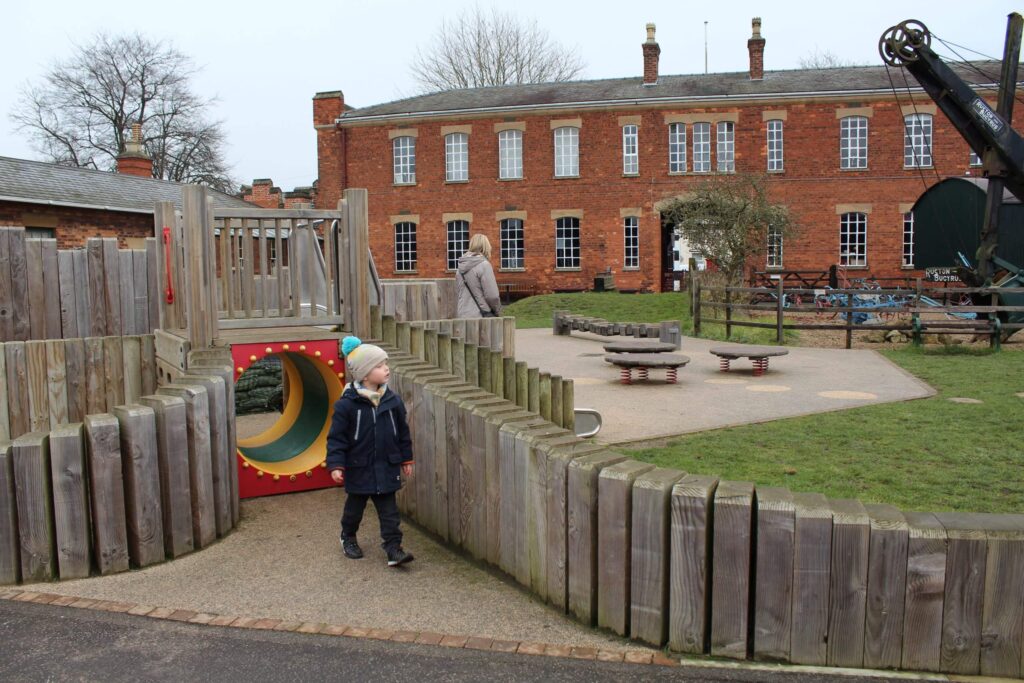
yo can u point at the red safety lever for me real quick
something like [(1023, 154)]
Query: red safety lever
[(169, 293)]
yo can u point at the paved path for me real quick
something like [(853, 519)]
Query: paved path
[(46, 643), (805, 381), (285, 562)]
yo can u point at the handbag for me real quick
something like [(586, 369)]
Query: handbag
[(484, 313)]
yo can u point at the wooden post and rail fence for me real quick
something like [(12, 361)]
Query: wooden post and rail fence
[(907, 311)]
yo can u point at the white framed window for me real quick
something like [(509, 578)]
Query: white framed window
[(775, 155), (567, 152), (917, 140), (726, 152), (853, 142), (908, 238), (774, 259), (457, 243), (631, 242), (567, 242), (510, 154), (630, 150), (405, 159), (512, 244), (456, 157), (405, 247), (974, 159), (701, 147), (853, 239), (677, 148)]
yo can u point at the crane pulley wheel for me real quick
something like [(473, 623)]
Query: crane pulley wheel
[(899, 43)]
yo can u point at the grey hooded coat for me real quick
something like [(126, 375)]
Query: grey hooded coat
[(476, 286)]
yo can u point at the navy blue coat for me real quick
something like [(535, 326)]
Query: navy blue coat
[(369, 443)]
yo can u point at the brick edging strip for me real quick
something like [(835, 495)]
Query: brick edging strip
[(418, 637)]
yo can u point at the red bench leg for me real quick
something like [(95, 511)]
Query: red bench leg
[(626, 375), (723, 364), (643, 373), (671, 374), (760, 366)]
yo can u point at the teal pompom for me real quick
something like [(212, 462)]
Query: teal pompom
[(349, 345)]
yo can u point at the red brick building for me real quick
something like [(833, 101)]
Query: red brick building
[(265, 194), (567, 179)]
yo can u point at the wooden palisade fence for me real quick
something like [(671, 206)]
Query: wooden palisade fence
[(692, 562), (100, 290), (408, 300), (920, 318)]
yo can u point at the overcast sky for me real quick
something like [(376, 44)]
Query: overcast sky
[(265, 60)]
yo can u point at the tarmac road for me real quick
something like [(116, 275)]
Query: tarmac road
[(47, 643)]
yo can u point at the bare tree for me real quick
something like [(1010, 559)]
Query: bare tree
[(823, 59), (82, 111), (727, 219), (478, 49)]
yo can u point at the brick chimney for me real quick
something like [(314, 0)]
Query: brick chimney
[(756, 48), (651, 52), (134, 160), (332, 166)]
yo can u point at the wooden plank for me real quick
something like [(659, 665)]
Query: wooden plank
[(97, 292), (497, 509), (35, 288), (173, 464), (75, 379), (140, 292), (153, 298), (294, 269), (38, 388), (126, 282), (690, 571), (70, 500), (773, 593), (528, 482), (131, 354), (650, 555), (5, 424), (164, 224), (141, 484), (68, 300), (964, 593), (49, 298), (1002, 619), (522, 385), (83, 308), (615, 524), (200, 465), (223, 369), (556, 400), (731, 575), (459, 359), (34, 493), (444, 352), (926, 582), (544, 395), (264, 288), (536, 518), (886, 593), (848, 583), (113, 371), (57, 382), (20, 293), (148, 364), (483, 368), (10, 544), (533, 390), (6, 293), (112, 287), (106, 491), (95, 377), (221, 457), (17, 389)]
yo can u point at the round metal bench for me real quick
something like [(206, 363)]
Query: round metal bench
[(758, 355), (644, 362), (639, 347)]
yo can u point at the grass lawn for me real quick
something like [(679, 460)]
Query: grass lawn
[(929, 454), (536, 311)]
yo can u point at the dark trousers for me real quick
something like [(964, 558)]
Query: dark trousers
[(387, 513)]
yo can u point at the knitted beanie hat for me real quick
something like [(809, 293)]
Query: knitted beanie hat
[(361, 358)]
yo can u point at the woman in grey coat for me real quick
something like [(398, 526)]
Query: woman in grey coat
[(475, 283)]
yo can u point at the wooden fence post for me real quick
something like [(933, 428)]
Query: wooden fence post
[(70, 500), (34, 493), (848, 587), (812, 559), (728, 312), (142, 484), (690, 570), (10, 556), (926, 580), (730, 583), (886, 590), (172, 459), (779, 305), (773, 601), (106, 493)]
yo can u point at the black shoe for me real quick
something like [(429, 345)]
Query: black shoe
[(351, 548), (397, 556)]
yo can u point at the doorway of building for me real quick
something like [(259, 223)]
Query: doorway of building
[(675, 258)]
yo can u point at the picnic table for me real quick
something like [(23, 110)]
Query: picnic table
[(643, 362), (631, 346), (758, 355)]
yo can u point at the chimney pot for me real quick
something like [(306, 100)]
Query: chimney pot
[(651, 51), (134, 160)]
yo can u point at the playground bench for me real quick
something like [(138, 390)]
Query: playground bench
[(643, 362), (758, 355)]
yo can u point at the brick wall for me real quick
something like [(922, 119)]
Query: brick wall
[(73, 226), (812, 185)]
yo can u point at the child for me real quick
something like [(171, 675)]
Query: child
[(368, 447)]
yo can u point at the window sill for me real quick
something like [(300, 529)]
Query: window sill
[(630, 175), (775, 269), (404, 184), (510, 180), (910, 267), (631, 270), (456, 182), (852, 170), (864, 267), (929, 167), (779, 172), (511, 270), (565, 177), (568, 270), (407, 272)]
